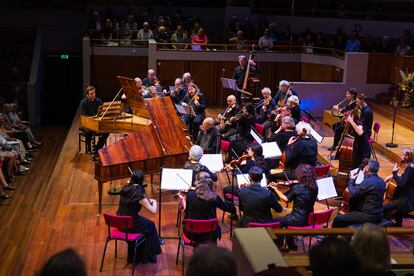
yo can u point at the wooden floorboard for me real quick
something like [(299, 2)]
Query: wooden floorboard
[(56, 207)]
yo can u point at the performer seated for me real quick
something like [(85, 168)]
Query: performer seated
[(244, 122), (255, 201), (368, 197), (202, 203), (194, 156), (209, 138), (197, 102), (403, 202), (254, 158), (303, 196), (282, 137), (151, 79), (226, 128), (89, 107), (362, 127), (285, 91), (186, 80), (266, 106), (133, 198), (338, 127), (293, 102), (239, 73), (179, 92), (278, 114), (302, 149)]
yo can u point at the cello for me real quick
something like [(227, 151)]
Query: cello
[(248, 85)]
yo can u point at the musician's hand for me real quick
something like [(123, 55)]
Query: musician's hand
[(244, 185), (251, 62), (184, 104), (278, 116), (350, 119), (388, 178), (396, 167), (335, 107), (289, 92), (197, 103), (354, 176), (292, 140)]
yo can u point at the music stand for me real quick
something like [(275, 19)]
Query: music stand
[(326, 189), (173, 179), (227, 84)]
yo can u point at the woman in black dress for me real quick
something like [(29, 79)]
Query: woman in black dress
[(132, 199), (202, 204), (303, 196)]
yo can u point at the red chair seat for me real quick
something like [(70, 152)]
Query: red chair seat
[(186, 240), (370, 140), (228, 195), (275, 224), (317, 226), (225, 145), (118, 235)]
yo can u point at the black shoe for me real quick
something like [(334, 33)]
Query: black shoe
[(5, 196), (332, 148), (292, 246)]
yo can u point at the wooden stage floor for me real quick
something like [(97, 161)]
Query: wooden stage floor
[(55, 207)]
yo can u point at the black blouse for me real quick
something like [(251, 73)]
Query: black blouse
[(197, 208), (129, 204), (303, 200)]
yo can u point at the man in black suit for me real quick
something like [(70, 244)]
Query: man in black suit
[(209, 138), (255, 201), (368, 196)]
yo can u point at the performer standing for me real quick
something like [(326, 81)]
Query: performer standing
[(89, 107), (239, 73), (338, 127), (197, 102)]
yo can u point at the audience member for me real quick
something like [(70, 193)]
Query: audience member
[(107, 31), (385, 46), (131, 25), (179, 36), (370, 244), (145, 33), (334, 256), (64, 263), (402, 49), (213, 261), (162, 36), (239, 40), (200, 38), (353, 44), (266, 42)]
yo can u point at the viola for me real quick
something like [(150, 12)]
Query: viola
[(238, 162)]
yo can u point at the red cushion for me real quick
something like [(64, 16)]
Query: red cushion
[(118, 235), (305, 227), (187, 240), (228, 195), (225, 145), (370, 140)]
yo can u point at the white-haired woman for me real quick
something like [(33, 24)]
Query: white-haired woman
[(194, 156)]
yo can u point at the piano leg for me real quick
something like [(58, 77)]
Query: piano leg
[(100, 187)]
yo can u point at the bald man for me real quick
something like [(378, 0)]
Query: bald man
[(231, 110), (209, 138), (152, 80)]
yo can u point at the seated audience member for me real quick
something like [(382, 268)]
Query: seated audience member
[(370, 244), (319, 41), (133, 198), (209, 138), (213, 261), (3, 186), (302, 149), (121, 30), (107, 31), (369, 196), (179, 36), (254, 158), (402, 49), (194, 156), (10, 112), (303, 196), (334, 256), (162, 36), (200, 38), (131, 25), (201, 204), (403, 202), (353, 44), (266, 42), (369, 46), (239, 40), (308, 44), (385, 46), (9, 151), (64, 263), (145, 33), (255, 201)]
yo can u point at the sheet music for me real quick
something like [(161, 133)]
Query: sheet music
[(326, 188), (360, 176), (176, 179), (244, 179), (255, 136), (316, 135), (214, 162), (271, 150)]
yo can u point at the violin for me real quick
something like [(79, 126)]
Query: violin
[(223, 118), (237, 117), (196, 99), (266, 104), (238, 162), (288, 183)]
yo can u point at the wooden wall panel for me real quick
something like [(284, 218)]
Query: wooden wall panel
[(379, 67), (104, 70), (316, 72), (169, 70), (286, 71), (338, 74), (206, 77)]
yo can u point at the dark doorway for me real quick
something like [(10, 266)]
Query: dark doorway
[(63, 88)]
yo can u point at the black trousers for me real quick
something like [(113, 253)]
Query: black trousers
[(338, 129), (355, 218)]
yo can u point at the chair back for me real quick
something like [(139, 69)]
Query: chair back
[(125, 222), (200, 225), (318, 218), (225, 146), (322, 171), (259, 128), (376, 129), (275, 224)]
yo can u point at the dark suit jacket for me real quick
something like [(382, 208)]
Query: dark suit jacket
[(213, 143)]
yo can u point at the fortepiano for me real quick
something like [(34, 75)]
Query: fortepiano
[(162, 143)]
